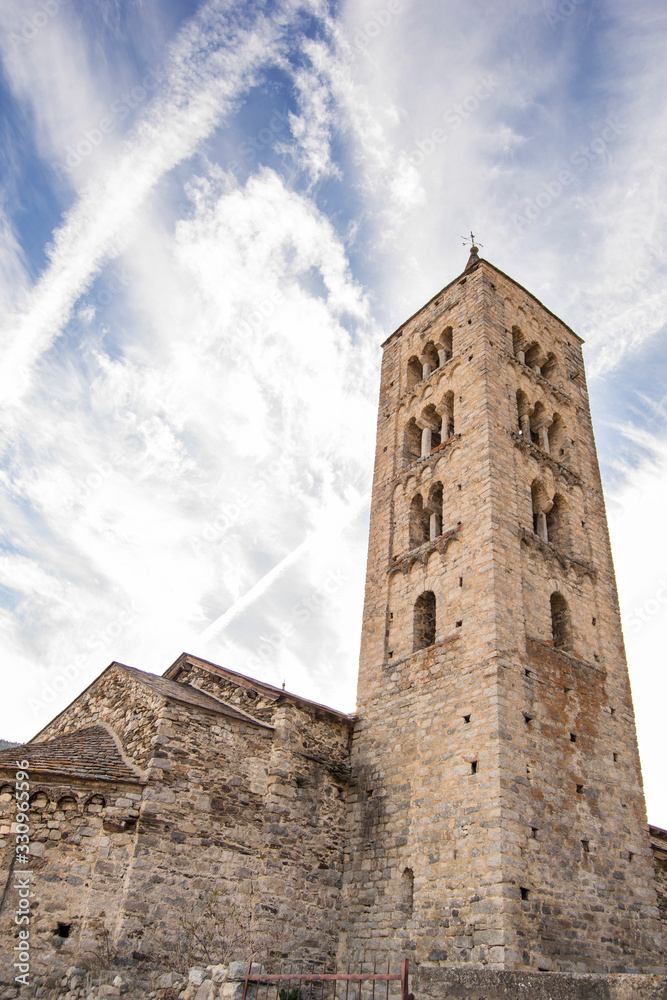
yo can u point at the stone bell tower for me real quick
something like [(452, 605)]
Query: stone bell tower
[(497, 810)]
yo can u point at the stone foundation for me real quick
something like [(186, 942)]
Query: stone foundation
[(481, 984)]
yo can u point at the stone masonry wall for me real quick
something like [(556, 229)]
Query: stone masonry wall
[(424, 875), (575, 824), (246, 814), (82, 841), (659, 845), (230, 808)]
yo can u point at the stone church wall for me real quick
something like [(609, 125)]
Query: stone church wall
[(248, 815), (82, 842)]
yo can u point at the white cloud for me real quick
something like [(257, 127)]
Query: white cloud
[(254, 396), (202, 84)]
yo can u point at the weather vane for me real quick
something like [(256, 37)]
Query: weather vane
[(471, 239)]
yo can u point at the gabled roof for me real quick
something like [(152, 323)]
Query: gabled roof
[(190, 696), (170, 690), (93, 752), (250, 682), (481, 262)]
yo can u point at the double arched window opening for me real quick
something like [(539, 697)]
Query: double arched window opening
[(433, 356), (426, 517), (550, 517), (531, 354), (425, 433), (545, 430)]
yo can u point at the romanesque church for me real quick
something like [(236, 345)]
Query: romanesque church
[(484, 806)]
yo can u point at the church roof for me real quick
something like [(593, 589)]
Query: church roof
[(471, 267), (165, 688), (88, 753), (190, 695), (279, 694)]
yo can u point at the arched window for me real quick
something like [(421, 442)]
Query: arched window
[(557, 524), (540, 502), (430, 359), (523, 411), (561, 623), (445, 345), (95, 804), (424, 622), (419, 522), (412, 443), (448, 415), (433, 423), (556, 435), (550, 367), (414, 372), (435, 511), (518, 343), (538, 423), (534, 355)]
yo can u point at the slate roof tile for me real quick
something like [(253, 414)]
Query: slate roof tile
[(88, 753)]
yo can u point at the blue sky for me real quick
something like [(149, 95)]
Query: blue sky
[(211, 215)]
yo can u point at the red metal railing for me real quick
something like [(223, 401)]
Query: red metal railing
[(292, 982)]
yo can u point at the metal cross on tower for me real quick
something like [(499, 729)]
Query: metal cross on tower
[(471, 239)]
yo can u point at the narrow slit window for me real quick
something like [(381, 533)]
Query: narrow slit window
[(408, 892), (561, 622), (424, 620)]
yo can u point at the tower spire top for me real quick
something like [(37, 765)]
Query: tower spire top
[(474, 247)]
